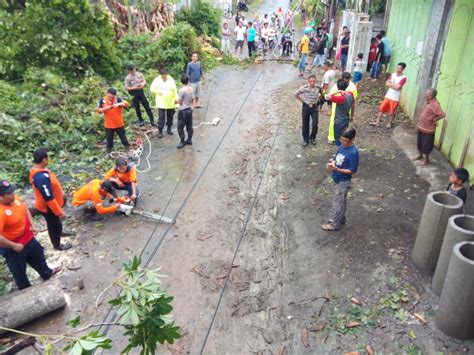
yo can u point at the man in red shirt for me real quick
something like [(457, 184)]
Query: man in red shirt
[(431, 113), (49, 197), (17, 242), (111, 106)]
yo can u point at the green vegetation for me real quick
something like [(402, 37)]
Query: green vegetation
[(203, 17)]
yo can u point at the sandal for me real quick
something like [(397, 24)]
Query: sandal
[(388, 126), (375, 124), (328, 228)]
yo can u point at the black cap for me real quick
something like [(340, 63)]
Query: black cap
[(130, 67), (346, 75), (6, 187)]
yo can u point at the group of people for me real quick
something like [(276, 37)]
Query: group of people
[(259, 33), (17, 227), (168, 99)]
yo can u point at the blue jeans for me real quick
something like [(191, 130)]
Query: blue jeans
[(33, 255), (302, 65), (319, 59), (338, 130), (375, 70), (343, 61)]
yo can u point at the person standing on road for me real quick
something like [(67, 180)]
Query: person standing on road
[(345, 49), (321, 47), (379, 59), (251, 34), (351, 87), (391, 100), (342, 165), (431, 113), (166, 93), (49, 197), (309, 96), (387, 50), (225, 38), (111, 106), (328, 82), (185, 112), (195, 75), (17, 238), (134, 83), (345, 109), (240, 31), (304, 50)]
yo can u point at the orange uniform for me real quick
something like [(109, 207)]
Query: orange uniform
[(14, 223), (129, 176), (90, 192), (113, 118), (48, 191)]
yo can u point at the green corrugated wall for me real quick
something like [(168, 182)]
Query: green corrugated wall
[(406, 31)]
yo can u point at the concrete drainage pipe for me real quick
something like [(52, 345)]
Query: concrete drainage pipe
[(460, 229), (439, 206), (456, 312)]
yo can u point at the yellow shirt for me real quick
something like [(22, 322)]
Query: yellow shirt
[(165, 91), (305, 45)]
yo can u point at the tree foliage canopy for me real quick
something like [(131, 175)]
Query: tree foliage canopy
[(72, 37)]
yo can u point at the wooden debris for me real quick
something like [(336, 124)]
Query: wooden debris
[(305, 337)]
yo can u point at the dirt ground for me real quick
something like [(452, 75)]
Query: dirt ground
[(248, 182)]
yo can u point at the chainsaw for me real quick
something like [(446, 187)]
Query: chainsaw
[(126, 206)]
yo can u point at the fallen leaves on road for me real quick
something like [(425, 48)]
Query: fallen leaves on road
[(204, 237), (421, 318), (318, 327), (369, 350), (352, 324), (305, 337), (355, 301)]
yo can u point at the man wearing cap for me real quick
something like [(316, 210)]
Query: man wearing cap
[(111, 106), (164, 87), (351, 87), (134, 83), (49, 197), (94, 195), (17, 242)]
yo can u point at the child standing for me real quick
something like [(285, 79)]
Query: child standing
[(185, 112), (358, 69), (456, 180)]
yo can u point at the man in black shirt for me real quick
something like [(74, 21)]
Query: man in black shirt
[(345, 49), (379, 59)]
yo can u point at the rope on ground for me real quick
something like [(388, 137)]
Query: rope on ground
[(136, 154)]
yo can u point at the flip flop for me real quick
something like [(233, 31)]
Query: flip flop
[(375, 124), (388, 126), (328, 228)]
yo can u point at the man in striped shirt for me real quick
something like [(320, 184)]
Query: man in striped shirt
[(309, 96)]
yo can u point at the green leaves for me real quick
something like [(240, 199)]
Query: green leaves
[(75, 321), (86, 344)]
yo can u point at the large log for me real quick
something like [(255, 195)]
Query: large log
[(23, 306)]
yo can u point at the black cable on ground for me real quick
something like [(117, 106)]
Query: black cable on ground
[(241, 237)]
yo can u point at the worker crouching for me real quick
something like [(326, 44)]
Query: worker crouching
[(96, 197), (123, 176)]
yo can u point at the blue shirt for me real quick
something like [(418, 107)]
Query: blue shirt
[(346, 158), (194, 72), (251, 33)]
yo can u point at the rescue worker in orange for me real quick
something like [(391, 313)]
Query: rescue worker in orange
[(17, 242), (49, 197), (124, 177), (111, 106), (92, 197)]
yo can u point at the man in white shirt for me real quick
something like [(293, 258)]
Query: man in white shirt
[(329, 79), (240, 31), (392, 98)]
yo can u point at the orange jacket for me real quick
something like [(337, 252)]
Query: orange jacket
[(129, 176), (90, 192), (113, 118), (13, 219), (48, 191)]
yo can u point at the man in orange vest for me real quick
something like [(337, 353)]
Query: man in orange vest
[(123, 176), (17, 242), (92, 197), (111, 106), (49, 197)]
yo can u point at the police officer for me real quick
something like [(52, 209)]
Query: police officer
[(309, 96)]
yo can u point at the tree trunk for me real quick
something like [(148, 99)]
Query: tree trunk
[(23, 306)]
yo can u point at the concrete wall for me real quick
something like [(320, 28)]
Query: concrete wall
[(361, 33)]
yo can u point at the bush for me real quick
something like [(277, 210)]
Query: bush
[(172, 50), (205, 18), (73, 37)]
